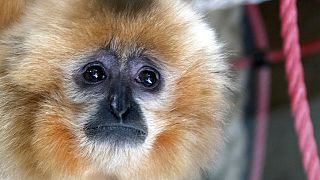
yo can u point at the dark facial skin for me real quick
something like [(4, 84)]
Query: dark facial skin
[(119, 119)]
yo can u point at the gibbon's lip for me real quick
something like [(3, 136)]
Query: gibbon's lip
[(117, 133), (120, 127)]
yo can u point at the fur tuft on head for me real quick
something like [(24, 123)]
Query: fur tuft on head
[(127, 6)]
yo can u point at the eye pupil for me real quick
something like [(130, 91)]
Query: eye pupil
[(148, 78), (94, 74)]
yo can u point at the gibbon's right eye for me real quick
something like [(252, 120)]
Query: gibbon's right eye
[(148, 77), (94, 73)]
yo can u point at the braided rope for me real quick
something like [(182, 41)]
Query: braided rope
[(297, 90)]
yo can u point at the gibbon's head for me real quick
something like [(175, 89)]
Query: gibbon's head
[(128, 89)]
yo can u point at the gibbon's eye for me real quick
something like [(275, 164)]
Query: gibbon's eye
[(148, 77), (94, 73)]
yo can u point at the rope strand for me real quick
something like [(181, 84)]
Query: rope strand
[(297, 90)]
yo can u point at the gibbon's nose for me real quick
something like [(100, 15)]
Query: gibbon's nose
[(119, 105)]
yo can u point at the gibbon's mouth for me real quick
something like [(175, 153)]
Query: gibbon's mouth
[(117, 134)]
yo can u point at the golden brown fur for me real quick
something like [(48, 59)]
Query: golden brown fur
[(10, 11), (39, 134)]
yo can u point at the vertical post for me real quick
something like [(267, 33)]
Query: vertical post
[(263, 92)]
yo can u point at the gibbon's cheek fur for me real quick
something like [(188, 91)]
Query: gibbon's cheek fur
[(110, 89)]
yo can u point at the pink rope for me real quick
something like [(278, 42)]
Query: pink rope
[(297, 90)]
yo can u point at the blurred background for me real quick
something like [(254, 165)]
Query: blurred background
[(282, 160)]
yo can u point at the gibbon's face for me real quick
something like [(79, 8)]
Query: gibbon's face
[(121, 89)]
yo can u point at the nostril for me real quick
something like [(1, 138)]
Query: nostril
[(114, 103), (125, 113)]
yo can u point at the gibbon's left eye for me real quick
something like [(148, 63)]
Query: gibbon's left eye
[(94, 73), (148, 77)]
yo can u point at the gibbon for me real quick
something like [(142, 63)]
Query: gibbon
[(109, 89)]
